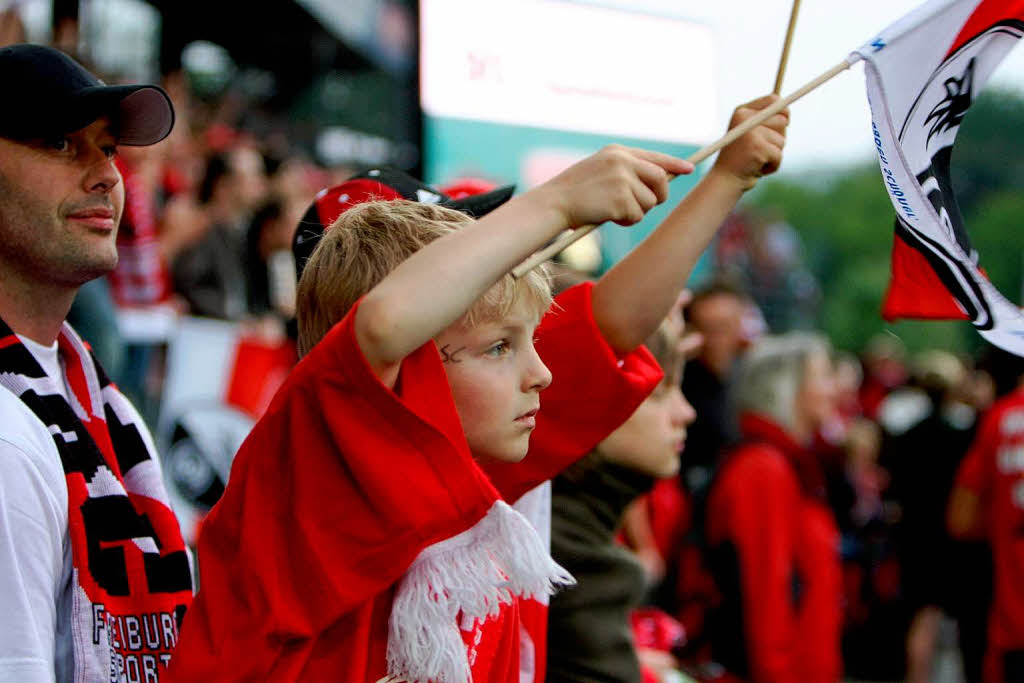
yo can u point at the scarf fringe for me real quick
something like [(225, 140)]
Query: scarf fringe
[(498, 559)]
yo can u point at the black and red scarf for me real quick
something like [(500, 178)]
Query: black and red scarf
[(132, 577)]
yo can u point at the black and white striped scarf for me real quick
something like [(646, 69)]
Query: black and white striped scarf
[(132, 579)]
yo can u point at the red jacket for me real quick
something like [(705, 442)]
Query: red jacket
[(775, 557), (994, 471), (344, 482)]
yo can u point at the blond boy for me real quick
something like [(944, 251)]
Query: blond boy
[(359, 536)]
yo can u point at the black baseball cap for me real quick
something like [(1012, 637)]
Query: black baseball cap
[(47, 93), (376, 184)]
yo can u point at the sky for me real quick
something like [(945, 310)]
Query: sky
[(831, 125)]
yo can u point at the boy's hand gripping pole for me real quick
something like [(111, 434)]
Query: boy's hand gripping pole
[(700, 155)]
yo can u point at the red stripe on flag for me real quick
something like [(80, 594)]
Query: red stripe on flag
[(915, 291), (986, 15)]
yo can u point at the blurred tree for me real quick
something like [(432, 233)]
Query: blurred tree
[(845, 221), (988, 156)]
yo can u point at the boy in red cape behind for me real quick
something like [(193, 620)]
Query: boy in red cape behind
[(359, 537)]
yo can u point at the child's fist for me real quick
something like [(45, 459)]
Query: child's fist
[(618, 184), (759, 152)]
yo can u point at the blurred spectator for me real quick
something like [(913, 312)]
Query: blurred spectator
[(1000, 369), (210, 274), (589, 636), (140, 278), (772, 539), (922, 459), (849, 376), (980, 390), (875, 617), (183, 157), (867, 478), (884, 370), (269, 264), (987, 502), (140, 281), (721, 314), (295, 180)]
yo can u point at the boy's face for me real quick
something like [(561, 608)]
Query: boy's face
[(496, 378), (651, 440)]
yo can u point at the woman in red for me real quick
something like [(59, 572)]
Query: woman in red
[(773, 541)]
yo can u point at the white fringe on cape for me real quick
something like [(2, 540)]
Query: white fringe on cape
[(498, 559)]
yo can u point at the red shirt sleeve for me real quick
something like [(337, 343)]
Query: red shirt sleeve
[(976, 472), (336, 490), (764, 498), (593, 390)]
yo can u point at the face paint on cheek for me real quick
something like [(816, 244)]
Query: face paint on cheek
[(449, 356)]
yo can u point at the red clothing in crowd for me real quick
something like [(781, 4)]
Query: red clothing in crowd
[(994, 471), (774, 549), (673, 514), (141, 277), (344, 482)]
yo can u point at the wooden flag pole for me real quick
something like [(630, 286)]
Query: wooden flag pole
[(785, 47), (700, 155)]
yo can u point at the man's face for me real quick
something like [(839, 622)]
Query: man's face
[(720, 319), (60, 205), (496, 378), (248, 177)]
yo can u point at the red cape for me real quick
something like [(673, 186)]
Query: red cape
[(343, 483)]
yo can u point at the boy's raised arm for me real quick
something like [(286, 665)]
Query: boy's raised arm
[(632, 298), (435, 286)]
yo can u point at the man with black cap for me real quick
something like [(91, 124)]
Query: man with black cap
[(94, 576)]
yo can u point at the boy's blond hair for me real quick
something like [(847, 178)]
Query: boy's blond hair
[(367, 242)]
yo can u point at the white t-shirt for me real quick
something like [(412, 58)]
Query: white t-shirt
[(48, 358), (35, 550)]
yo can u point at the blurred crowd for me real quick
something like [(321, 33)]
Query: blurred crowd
[(891, 429)]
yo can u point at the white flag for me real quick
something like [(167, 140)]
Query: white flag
[(923, 72)]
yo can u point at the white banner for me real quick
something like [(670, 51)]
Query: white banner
[(569, 66)]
